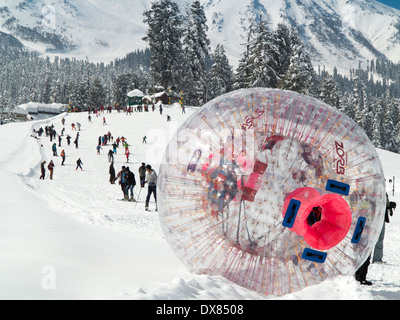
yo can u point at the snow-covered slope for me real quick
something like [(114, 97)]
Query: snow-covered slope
[(336, 32), (70, 238)]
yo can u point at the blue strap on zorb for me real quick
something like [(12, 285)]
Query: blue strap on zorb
[(291, 213), (359, 230), (314, 255), (338, 187)]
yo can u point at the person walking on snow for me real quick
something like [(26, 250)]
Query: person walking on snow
[(123, 182), (79, 164), (43, 170), (111, 171), (62, 157), (152, 189), (131, 183), (142, 174), (54, 150), (68, 139), (51, 168)]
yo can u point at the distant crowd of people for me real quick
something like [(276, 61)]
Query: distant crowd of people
[(125, 177)]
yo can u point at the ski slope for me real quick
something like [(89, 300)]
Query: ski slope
[(70, 237)]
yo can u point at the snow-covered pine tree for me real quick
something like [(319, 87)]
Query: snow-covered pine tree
[(56, 95), (196, 52), (282, 55), (244, 69), (389, 134), (379, 114), (96, 96), (120, 88), (221, 73), (300, 73), (261, 58), (164, 37), (33, 97), (368, 117), (329, 92), (47, 88)]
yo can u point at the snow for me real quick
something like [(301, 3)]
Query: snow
[(70, 238)]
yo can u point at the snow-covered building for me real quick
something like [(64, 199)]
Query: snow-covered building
[(35, 108), (135, 97)]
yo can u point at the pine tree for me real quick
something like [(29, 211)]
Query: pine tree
[(33, 97), (164, 37), (378, 123), (96, 96), (261, 58), (329, 92), (300, 72), (282, 36), (196, 53), (221, 73), (47, 88), (244, 70), (389, 135)]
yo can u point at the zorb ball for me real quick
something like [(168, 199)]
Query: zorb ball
[(274, 190)]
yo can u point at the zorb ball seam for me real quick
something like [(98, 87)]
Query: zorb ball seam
[(271, 189)]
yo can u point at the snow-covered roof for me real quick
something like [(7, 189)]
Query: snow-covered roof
[(35, 107), (135, 93)]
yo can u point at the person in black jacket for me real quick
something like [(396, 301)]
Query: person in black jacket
[(112, 173), (131, 183), (378, 251), (142, 174), (43, 170)]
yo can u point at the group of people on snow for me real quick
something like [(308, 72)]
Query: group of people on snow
[(127, 181), (125, 176)]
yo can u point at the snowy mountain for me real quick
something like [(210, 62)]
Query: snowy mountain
[(337, 32)]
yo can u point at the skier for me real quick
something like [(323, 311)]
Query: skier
[(104, 121), (63, 157), (76, 142), (114, 148), (98, 149), (152, 182), (142, 174), (168, 118), (79, 164), (127, 156), (144, 139), (131, 183), (43, 170), (79, 126), (51, 168), (59, 141)]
